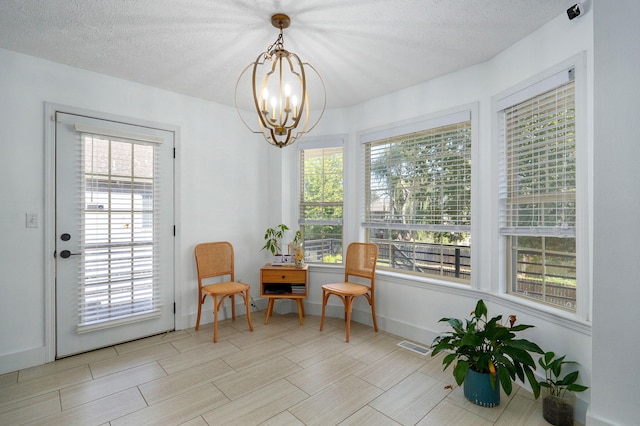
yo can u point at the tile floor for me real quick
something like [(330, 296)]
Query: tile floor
[(280, 374)]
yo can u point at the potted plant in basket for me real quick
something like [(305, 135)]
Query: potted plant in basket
[(558, 403), (272, 241), (488, 356)]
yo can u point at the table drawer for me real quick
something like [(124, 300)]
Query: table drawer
[(290, 276)]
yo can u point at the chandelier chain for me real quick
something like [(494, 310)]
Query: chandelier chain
[(276, 45)]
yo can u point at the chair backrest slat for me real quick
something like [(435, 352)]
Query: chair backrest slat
[(361, 261), (214, 259)]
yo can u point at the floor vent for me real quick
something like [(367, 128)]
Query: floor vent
[(415, 348)]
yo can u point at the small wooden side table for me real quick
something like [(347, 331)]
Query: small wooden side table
[(284, 282)]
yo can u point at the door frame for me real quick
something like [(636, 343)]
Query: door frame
[(50, 211)]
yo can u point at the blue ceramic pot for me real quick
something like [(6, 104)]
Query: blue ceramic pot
[(477, 389)]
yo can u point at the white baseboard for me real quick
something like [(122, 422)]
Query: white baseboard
[(592, 420), (21, 360), (37, 356), (407, 331), (411, 332)]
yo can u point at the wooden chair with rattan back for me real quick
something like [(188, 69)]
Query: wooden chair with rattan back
[(360, 262), (217, 260)]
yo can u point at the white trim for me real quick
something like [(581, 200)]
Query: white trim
[(330, 141), (552, 74), (113, 133), (465, 112), (327, 141), (545, 313), (120, 321), (49, 230), (475, 278), (584, 194), (534, 89), (439, 119), (23, 359), (177, 246), (584, 190)]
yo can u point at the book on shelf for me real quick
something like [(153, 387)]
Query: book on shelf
[(277, 288)]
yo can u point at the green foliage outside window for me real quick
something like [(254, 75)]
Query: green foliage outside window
[(321, 204), (418, 200)]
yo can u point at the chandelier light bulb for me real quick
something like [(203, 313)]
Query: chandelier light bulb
[(274, 104), (294, 101)]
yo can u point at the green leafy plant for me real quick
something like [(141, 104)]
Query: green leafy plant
[(487, 346), (273, 237), (554, 383), (297, 238)]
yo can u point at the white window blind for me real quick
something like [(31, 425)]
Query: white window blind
[(417, 193), (538, 191), (420, 181), (118, 233), (539, 165)]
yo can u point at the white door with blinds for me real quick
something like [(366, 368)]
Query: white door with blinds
[(114, 233)]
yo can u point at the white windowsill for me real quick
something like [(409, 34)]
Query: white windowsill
[(544, 312)]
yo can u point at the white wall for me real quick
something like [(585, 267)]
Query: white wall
[(616, 293), (220, 163), (424, 302)]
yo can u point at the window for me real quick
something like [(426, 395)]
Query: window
[(321, 203), (538, 192), (417, 205)]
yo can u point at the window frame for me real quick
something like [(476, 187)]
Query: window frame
[(467, 112), (584, 187), (321, 143)]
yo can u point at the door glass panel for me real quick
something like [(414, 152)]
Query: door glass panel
[(117, 238)]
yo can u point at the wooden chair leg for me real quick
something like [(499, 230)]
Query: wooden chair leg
[(375, 324), (233, 306), (372, 302), (215, 318), (348, 303), (325, 296), (247, 303), (200, 302)]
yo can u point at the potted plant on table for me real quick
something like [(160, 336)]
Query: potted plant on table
[(272, 241), (559, 401), (488, 356)]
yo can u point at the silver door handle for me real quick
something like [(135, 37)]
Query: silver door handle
[(66, 253)]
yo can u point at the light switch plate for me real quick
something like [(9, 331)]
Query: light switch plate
[(32, 220)]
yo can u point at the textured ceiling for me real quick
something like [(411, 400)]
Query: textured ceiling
[(361, 48)]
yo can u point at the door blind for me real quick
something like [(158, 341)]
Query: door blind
[(118, 270)]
